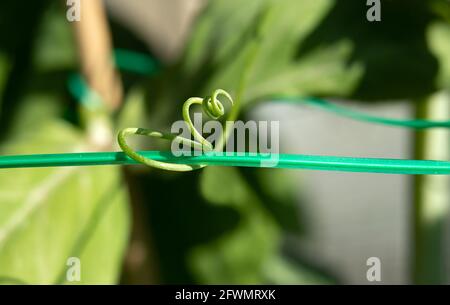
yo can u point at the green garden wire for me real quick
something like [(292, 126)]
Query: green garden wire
[(287, 161), (213, 156), (135, 62), (360, 116)]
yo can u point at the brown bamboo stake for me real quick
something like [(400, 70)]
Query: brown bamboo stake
[(95, 52)]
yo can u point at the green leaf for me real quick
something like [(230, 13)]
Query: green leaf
[(216, 53), (249, 253), (394, 52), (49, 215), (33, 109), (102, 244), (4, 67), (133, 111), (239, 255), (324, 72), (4, 70), (315, 48), (439, 40), (219, 32), (441, 8), (282, 271), (277, 193), (55, 47), (133, 114)]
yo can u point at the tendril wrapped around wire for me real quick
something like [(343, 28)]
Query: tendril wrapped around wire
[(211, 105)]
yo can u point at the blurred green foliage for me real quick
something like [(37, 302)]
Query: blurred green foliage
[(217, 225), (394, 53), (50, 215), (439, 41), (309, 48)]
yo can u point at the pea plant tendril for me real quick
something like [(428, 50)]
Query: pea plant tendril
[(211, 105)]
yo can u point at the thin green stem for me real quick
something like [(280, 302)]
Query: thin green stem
[(253, 51)]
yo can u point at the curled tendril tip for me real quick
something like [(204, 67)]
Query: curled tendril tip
[(211, 105)]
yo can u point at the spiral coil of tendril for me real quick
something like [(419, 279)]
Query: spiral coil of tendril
[(211, 105)]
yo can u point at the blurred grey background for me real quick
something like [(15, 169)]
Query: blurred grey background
[(351, 216)]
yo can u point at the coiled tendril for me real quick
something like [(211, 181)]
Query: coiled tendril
[(211, 105)]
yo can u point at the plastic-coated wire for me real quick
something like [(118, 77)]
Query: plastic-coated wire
[(135, 62), (327, 163), (360, 116)]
